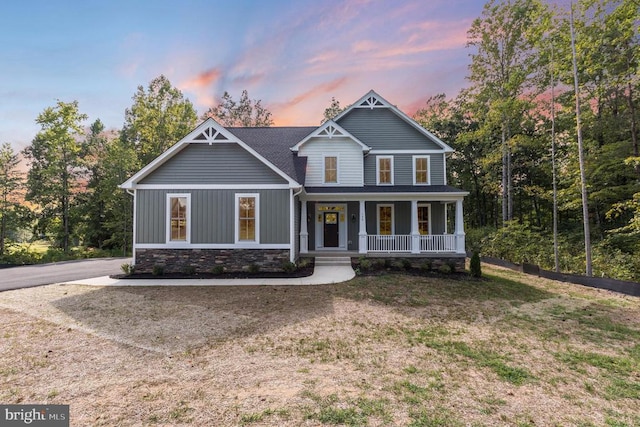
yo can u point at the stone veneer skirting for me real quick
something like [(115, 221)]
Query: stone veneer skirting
[(205, 260)]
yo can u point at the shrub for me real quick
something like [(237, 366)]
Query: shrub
[(474, 266), (445, 269), (128, 268), (253, 268), (158, 270), (288, 267), (426, 265), (217, 270), (189, 270), (406, 264), (365, 263)]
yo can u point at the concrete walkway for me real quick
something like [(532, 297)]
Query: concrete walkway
[(322, 275)]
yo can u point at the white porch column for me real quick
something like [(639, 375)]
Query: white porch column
[(362, 233), (460, 246), (304, 233), (415, 231)]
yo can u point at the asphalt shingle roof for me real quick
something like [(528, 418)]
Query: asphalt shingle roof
[(274, 143)]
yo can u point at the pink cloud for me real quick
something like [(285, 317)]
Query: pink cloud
[(202, 80)]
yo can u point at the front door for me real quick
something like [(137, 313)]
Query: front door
[(331, 230)]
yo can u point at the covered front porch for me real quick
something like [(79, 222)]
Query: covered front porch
[(414, 224)]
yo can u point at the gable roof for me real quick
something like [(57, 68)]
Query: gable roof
[(330, 129), (274, 144), (211, 132), (372, 100)]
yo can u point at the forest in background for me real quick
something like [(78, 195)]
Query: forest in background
[(514, 130)]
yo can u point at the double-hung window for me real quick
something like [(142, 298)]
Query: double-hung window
[(384, 170), (424, 219), (247, 218), (385, 220), (330, 169), (421, 171), (178, 218)]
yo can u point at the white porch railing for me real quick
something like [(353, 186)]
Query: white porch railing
[(432, 243), (438, 243), (386, 243)]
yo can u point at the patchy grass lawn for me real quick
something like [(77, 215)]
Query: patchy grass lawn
[(509, 350)]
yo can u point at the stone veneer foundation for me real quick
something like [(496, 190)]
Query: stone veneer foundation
[(205, 260)]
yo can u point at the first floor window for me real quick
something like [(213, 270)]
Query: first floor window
[(178, 213), (247, 218), (385, 220), (423, 219)]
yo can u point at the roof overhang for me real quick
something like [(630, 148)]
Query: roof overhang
[(330, 129), (208, 132), (373, 100)]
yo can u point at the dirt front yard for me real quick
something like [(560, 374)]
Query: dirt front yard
[(386, 350)]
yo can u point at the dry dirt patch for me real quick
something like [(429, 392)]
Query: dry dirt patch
[(389, 350)]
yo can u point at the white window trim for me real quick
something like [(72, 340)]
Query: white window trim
[(393, 216), (428, 170), (378, 158), (324, 165), (237, 222), (168, 219), (428, 206)]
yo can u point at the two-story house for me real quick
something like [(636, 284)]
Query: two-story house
[(370, 182)]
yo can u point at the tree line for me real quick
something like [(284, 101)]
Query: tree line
[(533, 66), (519, 139), (70, 194)]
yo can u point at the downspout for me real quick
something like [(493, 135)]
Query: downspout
[(133, 224), (292, 232)]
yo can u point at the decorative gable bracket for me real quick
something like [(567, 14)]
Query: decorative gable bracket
[(371, 102), (210, 135), (331, 131)]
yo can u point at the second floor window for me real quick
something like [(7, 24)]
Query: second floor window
[(421, 170), (385, 170), (330, 169)]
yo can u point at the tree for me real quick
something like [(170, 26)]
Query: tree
[(332, 110), (243, 113), (505, 38), (10, 183), (159, 117), (54, 156)]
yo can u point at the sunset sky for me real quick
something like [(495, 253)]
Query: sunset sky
[(293, 55)]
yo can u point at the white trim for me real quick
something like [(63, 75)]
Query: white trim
[(428, 206), (134, 233), (398, 112), (331, 126), (173, 243), (343, 226), (393, 217), (189, 139), (378, 158), (343, 197), (256, 241), (406, 152), (324, 168), (413, 163), (214, 246), (214, 187)]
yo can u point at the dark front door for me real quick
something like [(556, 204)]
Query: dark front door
[(331, 237)]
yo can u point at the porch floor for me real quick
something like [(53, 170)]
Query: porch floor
[(356, 254)]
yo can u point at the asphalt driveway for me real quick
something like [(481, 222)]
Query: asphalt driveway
[(46, 274)]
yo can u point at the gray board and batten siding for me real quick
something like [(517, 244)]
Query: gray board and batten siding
[(212, 215), (382, 129), (218, 163)]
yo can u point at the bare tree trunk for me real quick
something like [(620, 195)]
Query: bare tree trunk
[(556, 255), (505, 173), (583, 180), (634, 125)]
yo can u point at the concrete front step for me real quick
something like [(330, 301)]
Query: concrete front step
[(332, 261)]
